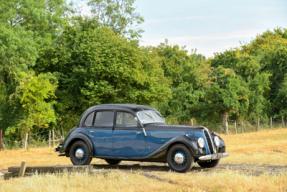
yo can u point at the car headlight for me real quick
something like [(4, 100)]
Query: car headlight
[(200, 142), (216, 141)]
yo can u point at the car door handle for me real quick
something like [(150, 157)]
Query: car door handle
[(91, 131), (139, 133)]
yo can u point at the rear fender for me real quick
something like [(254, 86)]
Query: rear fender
[(77, 137)]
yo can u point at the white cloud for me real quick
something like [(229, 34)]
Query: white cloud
[(156, 21), (207, 44)]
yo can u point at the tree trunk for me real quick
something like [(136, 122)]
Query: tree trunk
[(242, 127), (225, 123)]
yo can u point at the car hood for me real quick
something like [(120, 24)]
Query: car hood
[(166, 127)]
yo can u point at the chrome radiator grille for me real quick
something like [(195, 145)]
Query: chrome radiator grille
[(210, 146)]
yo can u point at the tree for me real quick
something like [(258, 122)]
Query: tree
[(97, 66), (179, 68), (44, 17), (34, 99), (119, 15), (259, 91), (222, 93), (281, 98)]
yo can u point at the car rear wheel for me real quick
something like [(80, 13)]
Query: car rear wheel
[(209, 164), (80, 153), (112, 161), (179, 158)]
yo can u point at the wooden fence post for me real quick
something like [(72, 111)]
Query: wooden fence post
[(258, 120), (22, 169), (282, 121), (271, 122), (28, 137), (26, 141), (191, 122), (53, 135), (1, 140), (49, 138)]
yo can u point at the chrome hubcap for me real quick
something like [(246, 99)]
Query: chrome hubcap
[(79, 153), (178, 158)]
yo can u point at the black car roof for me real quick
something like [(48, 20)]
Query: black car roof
[(123, 106), (126, 107)]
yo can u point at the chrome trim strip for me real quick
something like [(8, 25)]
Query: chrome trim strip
[(210, 140), (144, 132), (208, 157)]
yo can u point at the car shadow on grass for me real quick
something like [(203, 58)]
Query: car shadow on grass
[(147, 167)]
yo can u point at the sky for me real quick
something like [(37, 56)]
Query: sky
[(208, 25)]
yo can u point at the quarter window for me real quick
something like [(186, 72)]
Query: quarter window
[(125, 120), (89, 119), (104, 119)]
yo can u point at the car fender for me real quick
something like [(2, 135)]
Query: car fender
[(182, 139), (76, 137), (221, 148)]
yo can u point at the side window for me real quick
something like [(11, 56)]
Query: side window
[(125, 120), (89, 119), (104, 119)]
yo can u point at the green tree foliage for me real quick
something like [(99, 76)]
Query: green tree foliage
[(179, 68), (223, 92), (281, 99), (32, 99), (97, 66), (25, 27), (44, 17), (17, 53), (118, 15)]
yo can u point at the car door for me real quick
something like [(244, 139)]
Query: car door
[(128, 137), (101, 133)]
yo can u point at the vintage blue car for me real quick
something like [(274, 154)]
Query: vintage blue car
[(117, 132)]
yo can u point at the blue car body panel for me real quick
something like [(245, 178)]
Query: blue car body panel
[(102, 140), (128, 143)]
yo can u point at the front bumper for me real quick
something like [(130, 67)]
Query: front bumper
[(213, 156)]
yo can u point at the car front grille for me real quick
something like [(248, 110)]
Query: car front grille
[(210, 146)]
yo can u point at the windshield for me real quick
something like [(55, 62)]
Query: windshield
[(150, 117)]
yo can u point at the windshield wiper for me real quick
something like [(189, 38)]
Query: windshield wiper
[(149, 115)]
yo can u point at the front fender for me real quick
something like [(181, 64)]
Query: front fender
[(182, 139), (76, 137), (221, 148)]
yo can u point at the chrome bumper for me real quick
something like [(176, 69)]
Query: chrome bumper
[(213, 156)]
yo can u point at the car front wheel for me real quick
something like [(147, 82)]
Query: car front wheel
[(80, 154), (112, 161), (209, 164), (179, 158)]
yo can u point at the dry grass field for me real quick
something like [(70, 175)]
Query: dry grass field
[(258, 162)]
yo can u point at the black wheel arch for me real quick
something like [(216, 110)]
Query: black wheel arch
[(77, 137), (189, 144)]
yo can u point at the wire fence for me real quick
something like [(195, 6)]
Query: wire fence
[(242, 126), (41, 139)]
